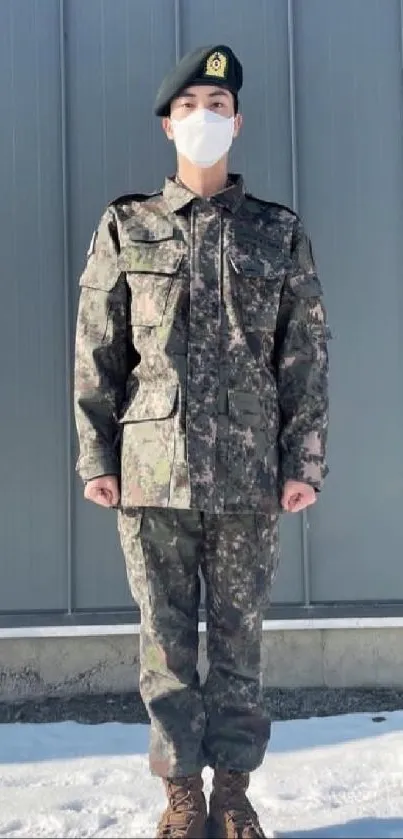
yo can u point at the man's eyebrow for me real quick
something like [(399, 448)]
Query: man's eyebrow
[(220, 92), (189, 95)]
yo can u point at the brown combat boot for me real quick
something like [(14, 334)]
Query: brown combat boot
[(231, 813), (186, 814)]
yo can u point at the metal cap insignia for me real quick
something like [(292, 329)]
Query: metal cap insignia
[(217, 65)]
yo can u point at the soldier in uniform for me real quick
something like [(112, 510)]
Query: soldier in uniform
[(201, 400)]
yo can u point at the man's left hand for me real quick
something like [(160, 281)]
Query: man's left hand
[(297, 496)]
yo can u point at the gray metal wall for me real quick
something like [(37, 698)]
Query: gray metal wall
[(322, 103)]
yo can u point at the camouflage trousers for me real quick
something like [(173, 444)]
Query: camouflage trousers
[(222, 722)]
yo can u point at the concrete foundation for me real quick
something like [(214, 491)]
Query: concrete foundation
[(63, 665)]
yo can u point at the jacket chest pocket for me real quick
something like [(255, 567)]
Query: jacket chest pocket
[(151, 271), (257, 286)]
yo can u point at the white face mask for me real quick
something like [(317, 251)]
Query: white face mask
[(203, 137)]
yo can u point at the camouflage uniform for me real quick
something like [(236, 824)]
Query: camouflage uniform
[(201, 380)]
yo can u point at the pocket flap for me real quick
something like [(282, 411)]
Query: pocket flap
[(98, 275), (152, 403), (152, 258), (250, 266), (138, 233), (244, 406)]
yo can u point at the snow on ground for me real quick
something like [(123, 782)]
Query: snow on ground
[(329, 777)]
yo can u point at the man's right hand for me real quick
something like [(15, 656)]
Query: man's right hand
[(103, 491)]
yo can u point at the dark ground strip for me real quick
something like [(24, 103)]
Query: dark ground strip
[(284, 704)]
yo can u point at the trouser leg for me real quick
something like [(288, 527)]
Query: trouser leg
[(162, 550), (239, 562)]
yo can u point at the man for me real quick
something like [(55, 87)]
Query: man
[(201, 409)]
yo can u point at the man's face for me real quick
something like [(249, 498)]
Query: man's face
[(209, 97)]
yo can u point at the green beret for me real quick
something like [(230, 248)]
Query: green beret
[(206, 65)]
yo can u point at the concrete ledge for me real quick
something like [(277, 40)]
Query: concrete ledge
[(62, 666), (44, 667)]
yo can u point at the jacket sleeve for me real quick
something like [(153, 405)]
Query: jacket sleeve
[(101, 354), (302, 368)]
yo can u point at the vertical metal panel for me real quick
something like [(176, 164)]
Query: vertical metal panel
[(303, 518), (32, 520), (67, 313), (117, 53), (349, 116)]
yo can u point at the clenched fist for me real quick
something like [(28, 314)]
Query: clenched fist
[(103, 491), (297, 496)]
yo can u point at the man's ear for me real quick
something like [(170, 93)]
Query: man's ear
[(167, 127), (238, 122)]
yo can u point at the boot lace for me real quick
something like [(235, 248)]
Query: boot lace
[(181, 809)]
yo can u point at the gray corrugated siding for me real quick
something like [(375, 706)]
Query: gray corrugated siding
[(322, 103)]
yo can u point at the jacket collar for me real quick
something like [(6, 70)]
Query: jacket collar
[(178, 196)]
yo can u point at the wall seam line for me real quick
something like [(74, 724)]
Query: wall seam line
[(178, 40), (67, 313)]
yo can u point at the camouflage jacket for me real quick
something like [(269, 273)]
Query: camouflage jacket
[(201, 365)]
